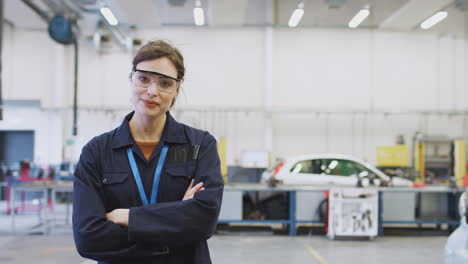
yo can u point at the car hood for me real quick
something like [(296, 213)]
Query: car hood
[(398, 181)]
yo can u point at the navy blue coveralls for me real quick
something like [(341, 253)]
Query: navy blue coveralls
[(170, 231)]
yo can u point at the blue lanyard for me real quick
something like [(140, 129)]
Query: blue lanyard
[(157, 175)]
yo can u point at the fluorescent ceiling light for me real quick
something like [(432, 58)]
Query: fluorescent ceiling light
[(199, 16), (296, 17), (358, 18), (109, 16), (430, 22)]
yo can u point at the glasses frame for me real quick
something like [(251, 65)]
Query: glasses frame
[(134, 69)]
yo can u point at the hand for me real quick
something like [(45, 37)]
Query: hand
[(192, 190), (119, 216)]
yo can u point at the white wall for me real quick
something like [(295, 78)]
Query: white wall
[(46, 126), (343, 71), (372, 71), (369, 70)]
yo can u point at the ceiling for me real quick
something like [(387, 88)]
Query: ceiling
[(399, 15)]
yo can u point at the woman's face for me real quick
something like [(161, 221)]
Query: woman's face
[(152, 101)]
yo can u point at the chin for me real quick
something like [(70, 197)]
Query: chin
[(154, 112)]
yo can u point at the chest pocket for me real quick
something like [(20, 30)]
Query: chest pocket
[(184, 171), (115, 186), (114, 178), (180, 178)]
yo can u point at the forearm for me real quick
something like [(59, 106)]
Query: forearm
[(95, 237), (176, 223), (109, 242), (101, 240), (120, 216)]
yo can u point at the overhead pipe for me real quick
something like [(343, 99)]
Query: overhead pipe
[(42, 13), (77, 6), (54, 6), (121, 39), (70, 7), (75, 88)]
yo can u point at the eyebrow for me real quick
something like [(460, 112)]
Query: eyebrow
[(156, 73)]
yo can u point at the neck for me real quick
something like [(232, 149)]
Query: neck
[(147, 129)]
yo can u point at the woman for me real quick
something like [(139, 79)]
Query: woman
[(149, 191)]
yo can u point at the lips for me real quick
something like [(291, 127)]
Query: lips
[(149, 103)]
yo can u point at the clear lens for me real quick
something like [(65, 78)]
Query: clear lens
[(165, 84), (142, 79), (145, 80)]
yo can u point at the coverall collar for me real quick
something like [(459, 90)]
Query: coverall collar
[(173, 132)]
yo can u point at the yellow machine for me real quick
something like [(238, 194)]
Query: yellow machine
[(432, 156), (419, 162), (460, 161), (393, 156), (440, 153), (222, 157)]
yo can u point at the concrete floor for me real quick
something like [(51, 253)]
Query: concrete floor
[(317, 249), (250, 249), (227, 247)]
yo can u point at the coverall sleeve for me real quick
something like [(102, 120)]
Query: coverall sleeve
[(187, 222), (96, 237)]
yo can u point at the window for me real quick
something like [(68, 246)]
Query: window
[(308, 166), (363, 171), (304, 166), (340, 167)]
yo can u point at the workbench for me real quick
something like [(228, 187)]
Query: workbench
[(231, 210), (46, 218), (233, 198)]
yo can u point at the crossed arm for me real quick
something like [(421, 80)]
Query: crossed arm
[(120, 216)]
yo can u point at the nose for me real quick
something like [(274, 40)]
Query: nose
[(152, 90)]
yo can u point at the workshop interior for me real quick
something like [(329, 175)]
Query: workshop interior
[(341, 125)]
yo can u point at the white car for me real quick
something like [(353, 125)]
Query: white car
[(329, 169), (456, 248)]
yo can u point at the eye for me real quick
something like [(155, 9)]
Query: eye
[(166, 83), (143, 79)]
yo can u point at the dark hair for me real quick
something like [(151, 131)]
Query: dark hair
[(159, 49)]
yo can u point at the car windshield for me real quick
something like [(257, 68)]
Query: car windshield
[(338, 167)]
